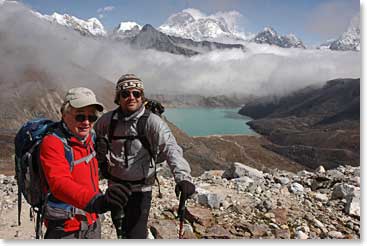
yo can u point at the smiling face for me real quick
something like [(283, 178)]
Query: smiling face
[(131, 100), (80, 120)]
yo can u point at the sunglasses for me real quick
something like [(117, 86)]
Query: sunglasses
[(126, 94), (82, 118)]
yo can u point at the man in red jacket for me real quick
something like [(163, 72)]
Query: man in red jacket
[(71, 171)]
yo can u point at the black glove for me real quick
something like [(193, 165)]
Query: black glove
[(101, 148), (114, 199), (186, 188)]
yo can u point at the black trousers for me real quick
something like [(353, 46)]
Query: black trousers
[(132, 222), (55, 230)]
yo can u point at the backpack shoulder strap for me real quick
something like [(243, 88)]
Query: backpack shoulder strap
[(60, 134), (112, 126), (142, 122)]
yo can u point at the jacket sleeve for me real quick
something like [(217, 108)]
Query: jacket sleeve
[(164, 144), (58, 176)]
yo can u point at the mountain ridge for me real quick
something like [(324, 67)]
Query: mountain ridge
[(313, 125)]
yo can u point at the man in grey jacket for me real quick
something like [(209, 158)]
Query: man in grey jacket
[(124, 158)]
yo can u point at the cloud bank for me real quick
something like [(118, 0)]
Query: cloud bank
[(26, 40)]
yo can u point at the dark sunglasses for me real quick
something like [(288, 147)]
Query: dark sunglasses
[(126, 94), (82, 117)]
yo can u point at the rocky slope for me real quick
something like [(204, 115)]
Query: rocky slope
[(314, 126), (187, 100), (237, 203)]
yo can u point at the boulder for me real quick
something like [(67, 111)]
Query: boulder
[(202, 216), (239, 170), (320, 169), (342, 190), (164, 229), (210, 199)]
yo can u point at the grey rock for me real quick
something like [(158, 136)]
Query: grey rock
[(342, 190), (353, 203), (334, 174), (239, 170), (320, 169), (210, 199), (296, 188), (301, 235), (321, 197), (281, 180), (243, 181)]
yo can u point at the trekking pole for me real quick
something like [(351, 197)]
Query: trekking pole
[(181, 214)]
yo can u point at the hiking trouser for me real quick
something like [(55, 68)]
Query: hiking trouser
[(132, 222), (55, 230)]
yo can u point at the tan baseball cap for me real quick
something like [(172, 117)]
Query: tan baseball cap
[(81, 97)]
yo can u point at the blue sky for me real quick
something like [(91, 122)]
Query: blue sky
[(313, 21)]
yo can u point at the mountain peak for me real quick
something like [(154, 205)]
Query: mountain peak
[(270, 36), (126, 29), (148, 27), (270, 30), (349, 40), (91, 27), (195, 25)]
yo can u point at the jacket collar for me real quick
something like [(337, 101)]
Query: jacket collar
[(122, 115), (74, 138)]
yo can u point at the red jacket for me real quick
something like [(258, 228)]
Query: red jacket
[(77, 187)]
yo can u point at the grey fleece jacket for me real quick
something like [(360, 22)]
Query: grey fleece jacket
[(161, 139)]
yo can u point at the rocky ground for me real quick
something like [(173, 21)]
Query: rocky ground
[(238, 203)]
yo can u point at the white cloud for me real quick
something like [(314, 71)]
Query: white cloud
[(105, 9), (262, 70)]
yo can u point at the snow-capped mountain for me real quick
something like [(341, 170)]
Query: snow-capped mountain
[(126, 29), (326, 44), (270, 36), (90, 27), (350, 40), (193, 24), (150, 38)]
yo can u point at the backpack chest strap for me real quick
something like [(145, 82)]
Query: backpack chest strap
[(86, 159)]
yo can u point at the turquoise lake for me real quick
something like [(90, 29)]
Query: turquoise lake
[(209, 121)]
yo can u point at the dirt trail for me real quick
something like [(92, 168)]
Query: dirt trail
[(9, 228)]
